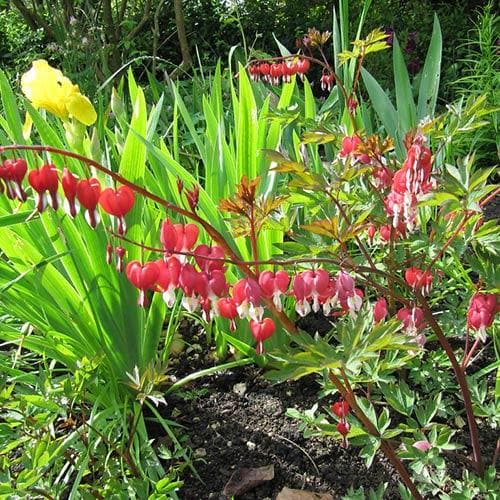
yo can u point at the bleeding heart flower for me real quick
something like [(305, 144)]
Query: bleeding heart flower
[(343, 428), (246, 295), (301, 290), (262, 330), (204, 255), (227, 309), (13, 173), (143, 277), (69, 185), (340, 408), (168, 279), (371, 231), (382, 177), (318, 281), (481, 313), (380, 310), (414, 322), (193, 284), (276, 71), (418, 279), (350, 298), (117, 203), (120, 254), (327, 80), (274, 285), (303, 66), (178, 237), (88, 192), (45, 179)]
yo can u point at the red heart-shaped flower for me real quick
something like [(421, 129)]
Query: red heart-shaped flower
[(117, 202)]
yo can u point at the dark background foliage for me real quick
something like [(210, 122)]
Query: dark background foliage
[(78, 36)]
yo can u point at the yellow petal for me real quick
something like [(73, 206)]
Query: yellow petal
[(81, 108), (28, 122), (46, 88)]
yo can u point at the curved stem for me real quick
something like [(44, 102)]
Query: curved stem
[(211, 231)]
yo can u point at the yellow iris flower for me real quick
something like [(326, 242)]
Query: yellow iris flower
[(46, 87)]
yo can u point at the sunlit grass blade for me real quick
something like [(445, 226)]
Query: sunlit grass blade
[(429, 83)]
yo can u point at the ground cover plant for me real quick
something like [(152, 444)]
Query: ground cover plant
[(361, 211)]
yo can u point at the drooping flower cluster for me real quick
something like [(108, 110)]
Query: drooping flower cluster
[(481, 313), (409, 184), (412, 318), (86, 193), (199, 273), (419, 280), (324, 291), (275, 72)]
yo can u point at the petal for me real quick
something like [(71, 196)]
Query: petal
[(81, 108)]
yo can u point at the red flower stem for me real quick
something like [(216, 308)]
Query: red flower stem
[(212, 232), (468, 355), (461, 379), (495, 455), (364, 251), (348, 394), (486, 200), (253, 239), (467, 340)]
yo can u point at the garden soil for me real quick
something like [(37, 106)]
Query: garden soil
[(236, 419)]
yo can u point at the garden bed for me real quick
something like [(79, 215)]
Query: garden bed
[(236, 419)]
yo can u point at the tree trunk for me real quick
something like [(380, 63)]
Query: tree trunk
[(187, 62)]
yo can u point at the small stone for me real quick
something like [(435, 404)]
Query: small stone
[(251, 446), (289, 494), (215, 426), (197, 348), (240, 388), (200, 453), (229, 444)]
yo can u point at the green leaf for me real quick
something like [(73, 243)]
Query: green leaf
[(11, 110), (399, 396), (404, 97), (383, 107), (429, 82)]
